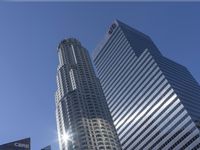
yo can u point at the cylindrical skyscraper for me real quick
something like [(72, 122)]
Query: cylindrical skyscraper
[(83, 118)]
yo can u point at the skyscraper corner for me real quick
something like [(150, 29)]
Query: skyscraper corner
[(83, 117)]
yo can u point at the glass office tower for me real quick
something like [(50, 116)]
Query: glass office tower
[(154, 101), (83, 118)]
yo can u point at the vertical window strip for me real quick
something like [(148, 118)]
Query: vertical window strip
[(74, 53), (60, 57), (71, 73)]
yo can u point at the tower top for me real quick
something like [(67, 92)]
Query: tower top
[(68, 41), (126, 29)]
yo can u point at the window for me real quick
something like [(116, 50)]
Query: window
[(74, 53), (71, 73)]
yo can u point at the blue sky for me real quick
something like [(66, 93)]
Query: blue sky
[(31, 32)]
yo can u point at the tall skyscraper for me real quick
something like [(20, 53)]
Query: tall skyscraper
[(154, 101), (83, 118)]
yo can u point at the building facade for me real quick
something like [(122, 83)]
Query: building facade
[(83, 118), (154, 101), (24, 144), (47, 148)]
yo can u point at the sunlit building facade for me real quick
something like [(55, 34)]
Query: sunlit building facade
[(83, 118), (154, 101)]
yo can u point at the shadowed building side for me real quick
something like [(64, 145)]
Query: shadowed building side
[(47, 148)]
